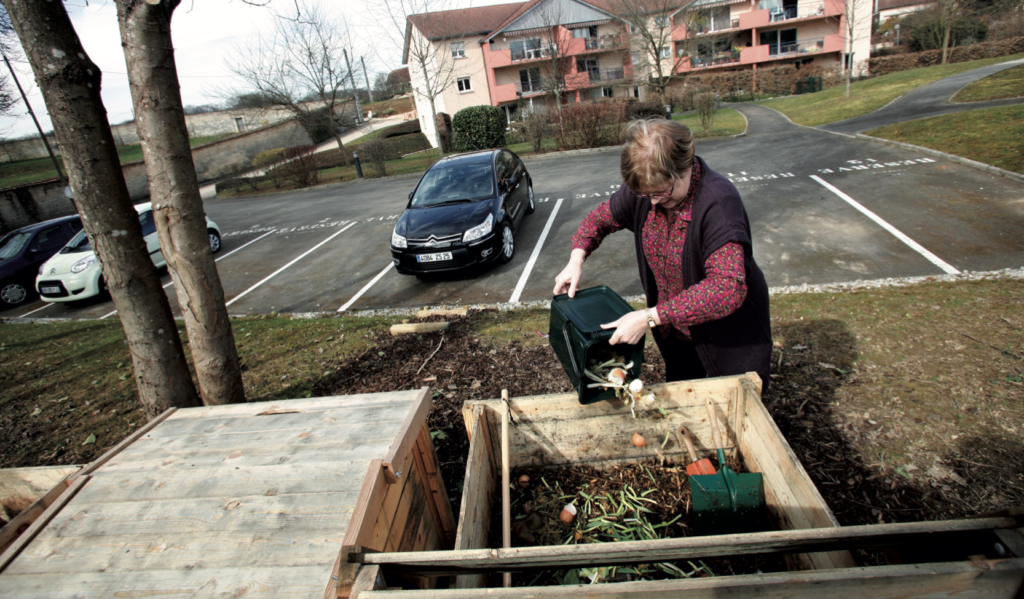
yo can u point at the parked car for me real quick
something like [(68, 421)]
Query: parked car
[(74, 273), (464, 212), (23, 250)]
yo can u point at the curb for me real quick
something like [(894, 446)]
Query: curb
[(995, 170)]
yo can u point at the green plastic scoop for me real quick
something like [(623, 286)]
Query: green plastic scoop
[(726, 502)]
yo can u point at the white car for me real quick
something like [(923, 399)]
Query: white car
[(73, 273)]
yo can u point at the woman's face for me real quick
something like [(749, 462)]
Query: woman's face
[(672, 194)]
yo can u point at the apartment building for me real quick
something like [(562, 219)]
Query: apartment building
[(530, 55)]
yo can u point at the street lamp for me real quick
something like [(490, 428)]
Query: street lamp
[(897, 34)]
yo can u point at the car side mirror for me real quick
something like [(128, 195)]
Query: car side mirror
[(410, 195)]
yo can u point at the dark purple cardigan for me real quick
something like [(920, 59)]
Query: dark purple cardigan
[(742, 341)]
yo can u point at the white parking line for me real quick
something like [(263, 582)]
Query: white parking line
[(217, 260), (282, 269), (896, 232), (36, 310), (533, 257), (366, 288)]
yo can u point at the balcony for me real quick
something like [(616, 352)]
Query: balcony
[(772, 11), (801, 48), (532, 88), (593, 77), (719, 25), (714, 60), (603, 42), (545, 51)]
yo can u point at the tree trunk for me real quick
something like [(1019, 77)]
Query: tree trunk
[(177, 207), (70, 84), (437, 132), (945, 39)]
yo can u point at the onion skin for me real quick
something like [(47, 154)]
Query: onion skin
[(639, 440), (524, 481), (568, 514), (617, 376)]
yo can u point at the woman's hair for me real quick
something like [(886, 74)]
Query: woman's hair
[(655, 152)]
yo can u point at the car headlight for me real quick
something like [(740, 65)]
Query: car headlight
[(480, 230), (83, 264), (41, 268), (397, 241)]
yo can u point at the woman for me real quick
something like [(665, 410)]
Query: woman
[(707, 299)]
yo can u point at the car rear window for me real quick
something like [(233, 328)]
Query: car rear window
[(454, 183), (11, 244)]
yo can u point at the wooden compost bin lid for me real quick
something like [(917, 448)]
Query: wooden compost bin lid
[(246, 500)]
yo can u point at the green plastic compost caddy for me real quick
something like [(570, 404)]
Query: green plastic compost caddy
[(576, 335)]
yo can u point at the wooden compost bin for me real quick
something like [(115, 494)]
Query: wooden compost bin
[(555, 430), (253, 500)]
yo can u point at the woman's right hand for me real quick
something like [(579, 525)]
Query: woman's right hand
[(569, 279)]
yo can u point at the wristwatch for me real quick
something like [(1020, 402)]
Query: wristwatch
[(650, 318)]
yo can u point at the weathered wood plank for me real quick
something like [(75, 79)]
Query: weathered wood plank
[(475, 510), (22, 521), (326, 511), (127, 553), (125, 443), (241, 581), (388, 509), (368, 579), (409, 506), (21, 487), (398, 455), (360, 527), (51, 511), (313, 404), (322, 476), (437, 505), (418, 327), (996, 579), (632, 552), (428, 312)]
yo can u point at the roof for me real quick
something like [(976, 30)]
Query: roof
[(469, 157), (465, 21)]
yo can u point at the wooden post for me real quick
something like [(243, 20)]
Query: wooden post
[(506, 510)]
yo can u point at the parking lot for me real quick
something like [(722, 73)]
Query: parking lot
[(823, 208)]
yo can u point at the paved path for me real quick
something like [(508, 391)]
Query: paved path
[(928, 100)]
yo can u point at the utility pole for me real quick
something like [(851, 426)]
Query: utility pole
[(369, 90), (355, 92), (49, 150)]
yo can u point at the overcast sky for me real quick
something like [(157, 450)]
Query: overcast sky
[(204, 32)]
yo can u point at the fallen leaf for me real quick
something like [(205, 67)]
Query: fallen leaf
[(37, 412), (90, 440), (303, 435)]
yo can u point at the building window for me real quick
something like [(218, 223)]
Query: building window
[(458, 49), (464, 84), (529, 80), (607, 92), (666, 52), (240, 124), (585, 32), (636, 92), (661, 21), (527, 49), (780, 41)]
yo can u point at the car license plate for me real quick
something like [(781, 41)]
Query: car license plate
[(434, 257), (51, 289)]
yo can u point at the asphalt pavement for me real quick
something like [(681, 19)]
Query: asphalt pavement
[(926, 101)]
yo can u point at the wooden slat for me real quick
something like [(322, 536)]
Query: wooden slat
[(635, 552), (251, 583), (428, 312), (411, 502), (22, 521), (19, 543), (433, 485), (478, 489), (418, 327), (998, 579), (335, 420), (388, 510), (113, 451), (313, 404), (398, 455), (360, 525), (368, 579)]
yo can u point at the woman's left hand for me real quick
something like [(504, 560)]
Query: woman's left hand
[(630, 329)]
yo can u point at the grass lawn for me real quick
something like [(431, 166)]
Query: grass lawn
[(39, 169), (991, 135), (867, 96), (905, 382), (1008, 83), (728, 121)]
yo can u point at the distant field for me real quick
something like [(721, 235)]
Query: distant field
[(40, 169)]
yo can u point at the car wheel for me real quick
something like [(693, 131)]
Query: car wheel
[(13, 294), (531, 205), (508, 243), (214, 240)]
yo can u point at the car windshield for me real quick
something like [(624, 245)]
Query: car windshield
[(78, 243), (454, 184), (11, 244)]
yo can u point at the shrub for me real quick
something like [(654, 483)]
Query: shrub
[(318, 125), (267, 160), (238, 183), (591, 125), (405, 128), (644, 110), (376, 152), (535, 128), (301, 165), (706, 104), (478, 128), (928, 29)]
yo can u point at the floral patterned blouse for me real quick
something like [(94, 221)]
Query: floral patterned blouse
[(721, 293)]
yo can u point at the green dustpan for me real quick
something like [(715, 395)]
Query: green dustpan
[(727, 502)]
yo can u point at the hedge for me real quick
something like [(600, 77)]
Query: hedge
[(405, 128), (883, 65), (478, 128)]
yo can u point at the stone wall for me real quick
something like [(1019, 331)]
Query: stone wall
[(32, 203), (884, 65)]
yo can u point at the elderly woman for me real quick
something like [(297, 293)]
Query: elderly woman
[(707, 299)]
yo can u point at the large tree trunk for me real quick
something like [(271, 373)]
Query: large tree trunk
[(70, 83), (945, 39), (180, 218)]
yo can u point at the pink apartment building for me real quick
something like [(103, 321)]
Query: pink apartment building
[(527, 54)]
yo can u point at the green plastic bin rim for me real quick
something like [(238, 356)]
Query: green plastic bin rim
[(591, 308)]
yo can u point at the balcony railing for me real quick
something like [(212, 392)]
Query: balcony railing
[(800, 10), (598, 75), (800, 47), (713, 60), (545, 51), (530, 88), (604, 42), (719, 25)]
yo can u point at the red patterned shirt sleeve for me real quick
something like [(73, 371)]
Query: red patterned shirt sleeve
[(594, 228), (720, 294)]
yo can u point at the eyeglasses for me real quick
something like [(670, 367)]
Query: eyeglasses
[(661, 195)]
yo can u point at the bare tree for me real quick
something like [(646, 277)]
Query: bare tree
[(177, 206), (70, 84), (303, 56), (425, 47), (651, 29), (8, 46), (855, 26)]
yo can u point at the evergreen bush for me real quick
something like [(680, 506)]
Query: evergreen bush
[(479, 128)]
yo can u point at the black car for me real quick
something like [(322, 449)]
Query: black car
[(24, 250), (464, 211)]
